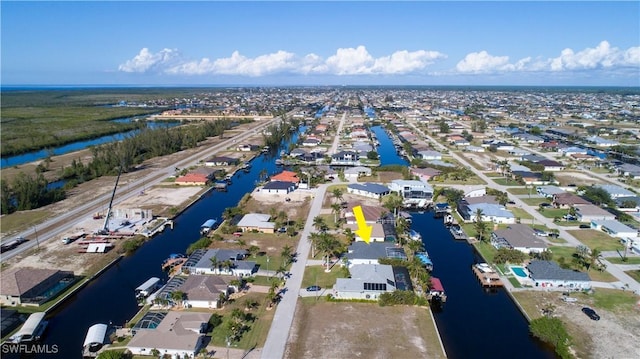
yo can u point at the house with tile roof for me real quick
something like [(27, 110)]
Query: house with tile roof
[(31, 286), (286, 176)]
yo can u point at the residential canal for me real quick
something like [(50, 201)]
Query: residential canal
[(474, 323), (110, 298)]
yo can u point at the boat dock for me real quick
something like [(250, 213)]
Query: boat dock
[(457, 233), (487, 276)]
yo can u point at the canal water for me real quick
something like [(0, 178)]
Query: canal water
[(386, 149), (111, 299), (473, 324), (78, 145)]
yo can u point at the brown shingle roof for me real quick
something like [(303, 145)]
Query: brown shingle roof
[(17, 281)]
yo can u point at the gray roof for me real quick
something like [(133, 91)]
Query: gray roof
[(279, 185), (201, 258), (370, 187), (541, 270), (616, 191), (614, 226), (490, 210), (366, 273), (520, 235), (204, 287), (373, 250), (258, 220), (177, 331)]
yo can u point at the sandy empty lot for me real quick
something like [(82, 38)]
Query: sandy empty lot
[(353, 330)]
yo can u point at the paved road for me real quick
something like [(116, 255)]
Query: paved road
[(283, 319), (538, 217), (336, 139), (66, 221)]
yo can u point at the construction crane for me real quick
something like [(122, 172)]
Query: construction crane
[(105, 227)]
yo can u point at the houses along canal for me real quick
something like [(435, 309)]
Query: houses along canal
[(111, 298), (473, 324)]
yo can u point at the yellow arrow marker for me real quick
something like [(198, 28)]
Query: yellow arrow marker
[(364, 230)]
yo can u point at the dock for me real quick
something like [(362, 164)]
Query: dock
[(457, 233), (487, 276)]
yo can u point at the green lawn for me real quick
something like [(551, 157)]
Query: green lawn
[(518, 191), (259, 328), (494, 175), (507, 182), (535, 201), (595, 239), (614, 300), (618, 260), (520, 213), (554, 212), (635, 274), (22, 220), (486, 250), (315, 275)]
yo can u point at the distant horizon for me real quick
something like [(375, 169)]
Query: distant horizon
[(35, 86)]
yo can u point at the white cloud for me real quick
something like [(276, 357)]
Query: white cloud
[(483, 62), (602, 56), (146, 61), (346, 61)]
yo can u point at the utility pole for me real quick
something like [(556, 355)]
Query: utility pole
[(35, 229)]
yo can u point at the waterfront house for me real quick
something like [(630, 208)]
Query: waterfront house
[(221, 161), (367, 281), (177, 334), (370, 190), (227, 262), (549, 275), (429, 155), (311, 141), (520, 237), (414, 193), (278, 187), (549, 191), (193, 179), (203, 291), (551, 165), (628, 204), (490, 212), (256, 222), (346, 158), (363, 253), (425, 174), (377, 232), (32, 286), (371, 213), (590, 212), (286, 176)]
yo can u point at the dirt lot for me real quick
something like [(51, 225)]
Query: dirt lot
[(576, 178), (615, 335), (353, 330)]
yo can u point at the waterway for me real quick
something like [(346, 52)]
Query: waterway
[(78, 145), (386, 149), (110, 298)]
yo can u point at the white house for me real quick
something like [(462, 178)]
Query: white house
[(367, 281), (370, 190), (490, 213), (227, 262), (614, 228), (278, 187), (357, 171), (548, 275), (520, 237), (203, 291), (177, 334), (256, 222), (414, 193)]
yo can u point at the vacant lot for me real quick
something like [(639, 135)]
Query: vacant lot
[(338, 330), (615, 335)]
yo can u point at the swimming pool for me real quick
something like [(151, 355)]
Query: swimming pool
[(519, 271)]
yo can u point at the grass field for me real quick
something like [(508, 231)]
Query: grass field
[(520, 213), (18, 221), (597, 240), (315, 275), (518, 191), (618, 260), (535, 201), (554, 212), (635, 274), (507, 182)]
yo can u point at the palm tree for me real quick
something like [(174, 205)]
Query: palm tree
[(415, 246), (314, 238), (253, 250), (336, 208), (337, 194), (328, 246), (392, 203), (286, 254), (594, 257), (177, 296), (215, 263), (319, 224), (479, 225)]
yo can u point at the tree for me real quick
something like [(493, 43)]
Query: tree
[(337, 194), (393, 202), (286, 254), (319, 224), (336, 208), (215, 263), (253, 250), (328, 245), (552, 331), (177, 297), (479, 225), (372, 155)]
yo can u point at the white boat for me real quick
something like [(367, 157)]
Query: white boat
[(415, 235), (148, 287)]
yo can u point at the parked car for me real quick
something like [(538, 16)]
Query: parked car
[(313, 288), (282, 230), (583, 226), (539, 232), (591, 313)]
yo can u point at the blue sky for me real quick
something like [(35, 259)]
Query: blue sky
[(320, 43)]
